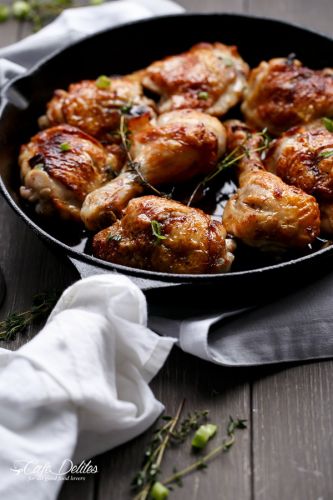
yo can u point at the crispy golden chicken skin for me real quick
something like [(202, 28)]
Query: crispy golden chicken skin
[(266, 212), (282, 93), (180, 146), (163, 235), (59, 167), (95, 106), (303, 157), (209, 77)]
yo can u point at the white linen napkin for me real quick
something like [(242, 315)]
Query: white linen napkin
[(79, 388), (73, 24)]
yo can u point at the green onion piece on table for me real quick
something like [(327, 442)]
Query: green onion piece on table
[(203, 435)]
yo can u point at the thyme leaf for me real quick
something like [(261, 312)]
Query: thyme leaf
[(157, 230), (326, 154), (226, 444), (328, 122)]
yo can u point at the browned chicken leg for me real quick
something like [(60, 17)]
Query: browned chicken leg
[(164, 235), (282, 93), (59, 167), (265, 212), (210, 77), (180, 146)]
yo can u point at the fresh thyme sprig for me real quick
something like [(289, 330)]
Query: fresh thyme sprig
[(237, 154), (135, 166), (227, 443), (150, 470), (16, 323), (147, 479)]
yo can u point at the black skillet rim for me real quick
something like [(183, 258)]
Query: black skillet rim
[(141, 273)]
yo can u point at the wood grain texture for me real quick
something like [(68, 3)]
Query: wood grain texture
[(293, 433), (204, 386)]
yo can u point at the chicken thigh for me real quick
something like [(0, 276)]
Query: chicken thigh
[(209, 77), (180, 146), (283, 93), (303, 157), (59, 167), (166, 236), (96, 106), (265, 212)]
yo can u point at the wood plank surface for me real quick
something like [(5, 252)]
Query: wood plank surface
[(287, 452)]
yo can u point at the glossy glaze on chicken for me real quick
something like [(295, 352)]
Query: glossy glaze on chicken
[(110, 152), (164, 235)]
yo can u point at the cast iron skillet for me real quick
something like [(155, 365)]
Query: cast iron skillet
[(122, 50)]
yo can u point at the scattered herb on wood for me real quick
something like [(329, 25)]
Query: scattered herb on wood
[(37, 12), (201, 463), (16, 323), (147, 482)]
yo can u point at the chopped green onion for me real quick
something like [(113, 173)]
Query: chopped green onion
[(203, 95), (21, 9), (96, 2), (103, 82), (156, 230), (39, 166), (203, 435), (114, 237), (64, 146), (4, 13), (328, 124), (159, 491)]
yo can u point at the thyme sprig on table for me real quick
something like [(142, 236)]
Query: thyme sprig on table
[(37, 12), (16, 323), (147, 482), (201, 463), (150, 470)]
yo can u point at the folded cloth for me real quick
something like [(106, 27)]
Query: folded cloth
[(73, 24), (296, 324), (79, 388)]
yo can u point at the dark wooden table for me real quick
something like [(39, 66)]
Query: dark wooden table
[(287, 451)]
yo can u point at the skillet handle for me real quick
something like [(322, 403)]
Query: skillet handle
[(85, 270)]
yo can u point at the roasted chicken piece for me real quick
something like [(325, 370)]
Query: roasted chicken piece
[(303, 157), (265, 212), (59, 167), (209, 77), (180, 146), (282, 93), (164, 235), (95, 106)]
